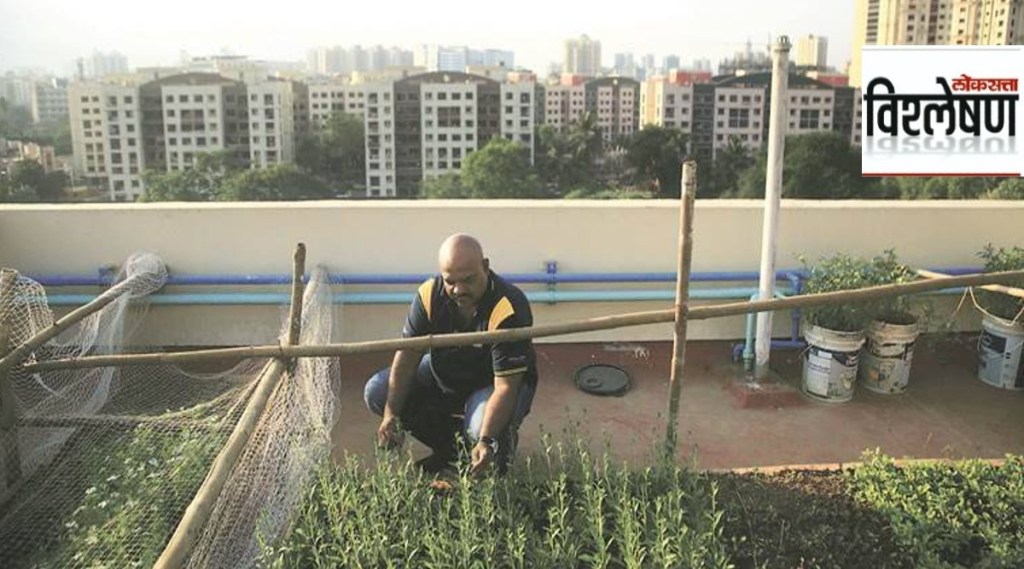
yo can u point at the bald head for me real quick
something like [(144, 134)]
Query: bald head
[(464, 268), (460, 249)]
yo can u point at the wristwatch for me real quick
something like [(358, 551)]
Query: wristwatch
[(491, 442)]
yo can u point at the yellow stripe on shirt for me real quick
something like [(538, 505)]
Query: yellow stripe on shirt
[(501, 311), (426, 291), (508, 372)]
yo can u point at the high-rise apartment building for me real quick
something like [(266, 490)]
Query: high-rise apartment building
[(343, 61), (934, 22), (458, 58), (582, 56), (50, 100), (811, 52), (101, 64), (712, 113), (120, 130)]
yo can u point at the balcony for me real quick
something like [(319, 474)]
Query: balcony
[(947, 410)]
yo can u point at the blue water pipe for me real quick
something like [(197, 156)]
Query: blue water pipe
[(551, 277), (106, 277), (231, 298)]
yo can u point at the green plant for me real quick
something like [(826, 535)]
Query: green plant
[(562, 509), (845, 272), (138, 487), (837, 273), (888, 269), (949, 514), (1003, 259)]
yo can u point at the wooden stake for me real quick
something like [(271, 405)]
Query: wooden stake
[(517, 334), (198, 512), (675, 382)]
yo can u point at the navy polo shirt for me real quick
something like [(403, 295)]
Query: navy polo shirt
[(464, 369)]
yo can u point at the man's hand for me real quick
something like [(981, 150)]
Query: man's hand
[(482, 458), (390, 434)]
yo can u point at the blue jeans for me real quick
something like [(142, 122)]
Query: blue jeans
[(435, 417)]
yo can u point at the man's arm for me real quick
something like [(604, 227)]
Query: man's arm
[(403, 373), (498, 413)]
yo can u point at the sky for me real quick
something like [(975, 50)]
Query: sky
[(51, 34)]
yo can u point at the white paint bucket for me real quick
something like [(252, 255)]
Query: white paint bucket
[(1001, 354), (885, 362), (830, 363)]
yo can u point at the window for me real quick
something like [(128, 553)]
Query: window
[(182, 98), (809, 118)]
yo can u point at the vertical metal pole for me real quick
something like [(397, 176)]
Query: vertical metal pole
[(675, 384), (772, 198)]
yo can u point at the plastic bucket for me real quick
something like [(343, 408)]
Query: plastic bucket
[(830, 363), (885, 362), (1001, 354)]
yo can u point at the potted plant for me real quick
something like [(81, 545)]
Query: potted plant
[(1001, 348), (891, 331), (834, 333)]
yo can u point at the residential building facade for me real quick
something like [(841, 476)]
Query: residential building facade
[(582, 56), (934, 22)]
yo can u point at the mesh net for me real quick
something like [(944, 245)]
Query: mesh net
[(101, 463), (290, 439)]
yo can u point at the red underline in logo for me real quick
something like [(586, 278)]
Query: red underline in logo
[(944, 174)]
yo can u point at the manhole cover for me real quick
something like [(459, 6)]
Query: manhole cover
[(602, 379)]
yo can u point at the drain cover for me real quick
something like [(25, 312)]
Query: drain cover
[(602, 379)]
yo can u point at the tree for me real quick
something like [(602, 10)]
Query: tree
[(202, 183), (501, 169), (728, 166), (817, 165), (1007, 189), (181, 186), (445, 187), (30, 182), (15, 120), (567, 160), (336, 153), (283, 182), (656, 153)]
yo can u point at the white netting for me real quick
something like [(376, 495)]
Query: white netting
[(102, 462), (290, 439)]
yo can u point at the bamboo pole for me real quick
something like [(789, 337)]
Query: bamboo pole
[(675, 382), (111, 421), (518, 334), (1012, 291), (69, 320), (11, 454), (198, 512)]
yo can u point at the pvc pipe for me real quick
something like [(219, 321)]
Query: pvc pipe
[(540, 296), (772, 198), (58, 280), (411, 278)]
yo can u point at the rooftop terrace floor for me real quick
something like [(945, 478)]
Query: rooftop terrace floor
[(946, 412)]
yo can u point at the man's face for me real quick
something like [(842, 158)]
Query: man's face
[(465, 280)]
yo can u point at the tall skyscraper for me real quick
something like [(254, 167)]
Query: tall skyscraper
[(102, 64), (582, 56), (949, 22), (812, 51)]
